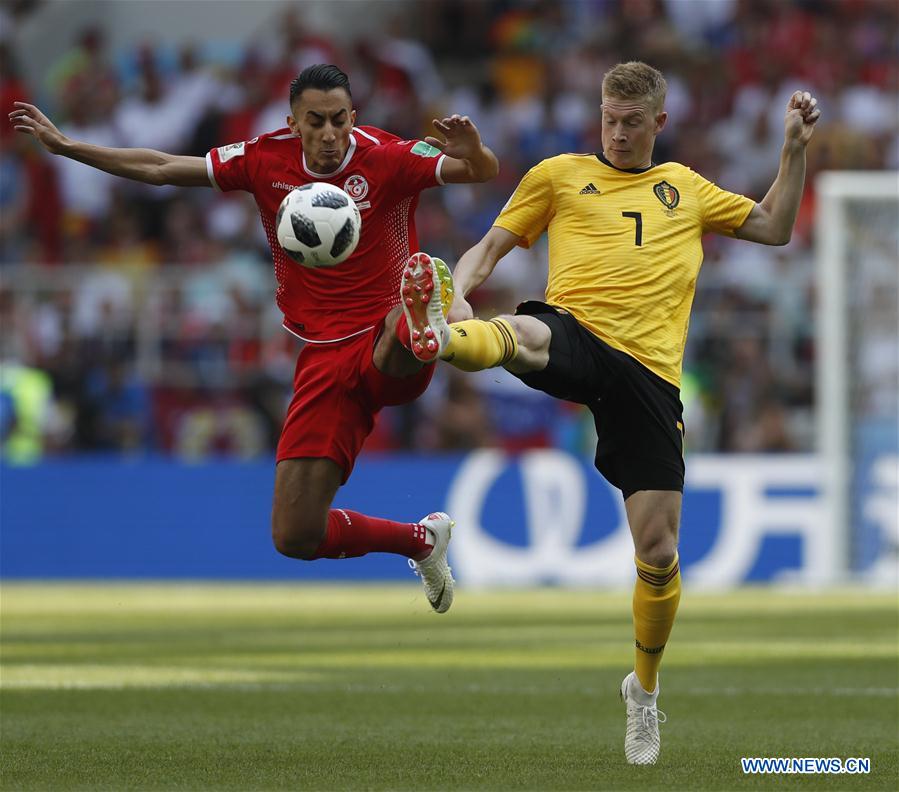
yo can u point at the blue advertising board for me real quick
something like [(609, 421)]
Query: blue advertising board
[(542, 517)]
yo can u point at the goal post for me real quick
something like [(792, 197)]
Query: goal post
[(857, 371)]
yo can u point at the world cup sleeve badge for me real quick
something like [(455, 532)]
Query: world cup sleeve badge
[(668, 195)]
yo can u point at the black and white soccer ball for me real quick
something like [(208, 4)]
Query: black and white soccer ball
[(318, 225)]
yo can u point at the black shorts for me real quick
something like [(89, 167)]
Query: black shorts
[(638, 415)]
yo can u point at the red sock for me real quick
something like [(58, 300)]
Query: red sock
[(351, 534), (402, 332)]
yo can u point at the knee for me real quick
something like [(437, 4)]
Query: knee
[(532, 334), (656, 542), (297, 535)]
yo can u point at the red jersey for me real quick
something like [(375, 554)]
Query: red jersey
[(384, 176)]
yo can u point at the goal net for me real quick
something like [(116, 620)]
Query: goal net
[(857, 238)]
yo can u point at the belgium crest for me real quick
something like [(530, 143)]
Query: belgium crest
[(668, 195)]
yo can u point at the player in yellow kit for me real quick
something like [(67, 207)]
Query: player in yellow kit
[(624, 253)]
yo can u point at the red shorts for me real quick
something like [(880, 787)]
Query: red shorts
[(337, 394)]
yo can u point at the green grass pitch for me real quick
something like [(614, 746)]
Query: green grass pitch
[(246, 687)]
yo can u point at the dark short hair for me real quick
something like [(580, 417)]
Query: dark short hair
[(322, 76)]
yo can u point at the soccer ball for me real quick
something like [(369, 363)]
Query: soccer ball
[(318, 225)]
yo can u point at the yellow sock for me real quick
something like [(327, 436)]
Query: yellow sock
[(475, 344), (656, 596)]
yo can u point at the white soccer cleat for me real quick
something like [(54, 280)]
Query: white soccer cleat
[(436, 575), (426, 292), (641, 740)]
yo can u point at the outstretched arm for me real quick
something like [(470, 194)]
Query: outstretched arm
[(771, 221), (467, 158), (143, 165), (475, 267)]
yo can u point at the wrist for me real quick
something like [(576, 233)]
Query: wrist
[(479, 153), (462, 286), (485, 163), (64, 146), (793, 146)]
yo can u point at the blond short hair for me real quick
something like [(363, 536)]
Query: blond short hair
[(636, 80)]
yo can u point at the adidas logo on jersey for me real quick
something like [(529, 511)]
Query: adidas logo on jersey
[(590, 189)]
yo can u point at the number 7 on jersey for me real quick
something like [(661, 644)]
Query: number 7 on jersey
[(638, 231)]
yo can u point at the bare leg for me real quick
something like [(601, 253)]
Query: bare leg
[(654, 519), (304, 490), (390, 356), (533, 344)]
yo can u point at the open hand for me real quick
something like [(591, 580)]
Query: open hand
[(28, 119), (802, 113), (462, 137)]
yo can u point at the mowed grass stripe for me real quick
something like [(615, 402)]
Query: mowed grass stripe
[(286, 687), (237, 598), (562, 658)]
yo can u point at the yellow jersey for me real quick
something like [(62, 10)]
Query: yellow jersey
[(624, 247)]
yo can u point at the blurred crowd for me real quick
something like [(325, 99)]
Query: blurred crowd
[(141, 319)]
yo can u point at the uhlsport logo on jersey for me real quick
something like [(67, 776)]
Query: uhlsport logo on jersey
[(356, 187), (668, 195)]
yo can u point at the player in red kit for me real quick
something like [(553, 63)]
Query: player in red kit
[(357, 356)]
